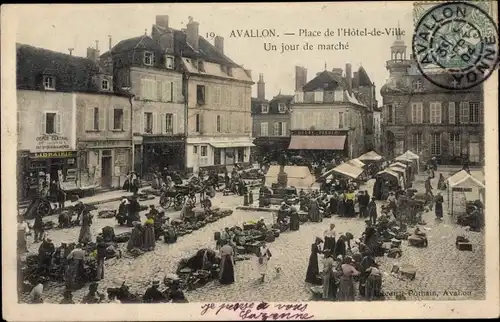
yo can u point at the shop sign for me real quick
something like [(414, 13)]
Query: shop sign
[(107, 143), (51, 142), (48, 155), (163, 139), (318, 132)]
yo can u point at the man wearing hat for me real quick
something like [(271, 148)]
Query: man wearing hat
[(372, 211), (153, 294)]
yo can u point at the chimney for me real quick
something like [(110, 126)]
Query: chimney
[(355, 80), (71, 51), (110, 39), (192, 33), (261, 88), (162, 21), (348, 77), (219, 43), (300, 77)]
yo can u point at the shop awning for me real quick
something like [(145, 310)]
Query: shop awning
[(222, 145), (325, 142), (346, 169), (370, 156), (356, 163)]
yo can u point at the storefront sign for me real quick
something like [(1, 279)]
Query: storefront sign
[(51, 142), (48, 155), (318, 133), (107, 143), (163, 139)]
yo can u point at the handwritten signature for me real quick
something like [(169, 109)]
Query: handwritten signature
[(261, 311)]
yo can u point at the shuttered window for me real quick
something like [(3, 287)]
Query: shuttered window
[(464, 113), (50, 123), (451, 113)]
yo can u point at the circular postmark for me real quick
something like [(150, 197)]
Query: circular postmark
[(455, 45)]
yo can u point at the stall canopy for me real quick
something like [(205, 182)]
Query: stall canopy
[(297, 176), (346, 169), (356, 162), (408, 155), (399, 164), (326, 142), (370, 156), (462, 179), (388, 171)]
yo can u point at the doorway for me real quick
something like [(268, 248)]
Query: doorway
[(106, 169), (230, 156)]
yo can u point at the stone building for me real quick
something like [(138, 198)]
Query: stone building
[(377, 129), (429, 120), (271, 121), (63, 101), (150, 71), (333, 112)]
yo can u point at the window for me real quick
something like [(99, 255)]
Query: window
[(417, 85), (264, 129), (276, 128), (96, 118), (118, 119), (339, 95), (435, 113), (171, 98), (341, 120), (435, 143), (283, 129), (105, 85), (389, 114), (218, 124), (241, 154), (195, 149), (464, 113), (299, 97), (417, 113), (318, 96), (417, 142), (230, 72), (169, 62), (264, 108), (455, 144), (197, 123), (149, 89), (51, 123), (49, 83), (452, 113), (474, 112), (201, 66), (149, 58), (204, 150), (217, 156), (169, 123), (148, 122), (281, 107), (200, 94)]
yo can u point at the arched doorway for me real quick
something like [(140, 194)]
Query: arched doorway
[(390, 143)]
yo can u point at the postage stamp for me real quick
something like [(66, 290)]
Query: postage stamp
[(459, 39), (240, 161)]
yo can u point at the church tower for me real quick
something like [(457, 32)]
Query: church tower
[(398, 64)]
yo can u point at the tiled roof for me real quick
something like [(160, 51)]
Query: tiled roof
[(142, 42), (256, 105), (273, 104), (364, 80), (326, 81), (72, 73)]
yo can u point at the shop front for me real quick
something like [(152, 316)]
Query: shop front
[(319, 145), (231, 153), (104, 163), (162, 151), (270, 147)]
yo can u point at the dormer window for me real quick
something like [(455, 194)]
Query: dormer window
[(105, 85), (339, 95), (229, 71), (49, 83), (149, 58), (281, 107), (417, 85), (264, 108), (201, 66), (169, 62)]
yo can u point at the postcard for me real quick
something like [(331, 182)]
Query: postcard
[(250, 161)]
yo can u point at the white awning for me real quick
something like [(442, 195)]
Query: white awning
[(222, 145), (370, 156), (347, 170), (462, 179), (356, 163), (399, 164)]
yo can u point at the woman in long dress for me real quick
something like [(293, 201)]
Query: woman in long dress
[(314, 211), (330, 235), (373, 282), (226, 275), (313, 267), (329, 279), (346, 286), (340, 247), (366, 263), (438, 209), (136, 238), (441, 182), (264, 255), (85, 236), (149, 234)]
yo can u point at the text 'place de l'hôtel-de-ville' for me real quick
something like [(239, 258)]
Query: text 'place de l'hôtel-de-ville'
[(173, 99)]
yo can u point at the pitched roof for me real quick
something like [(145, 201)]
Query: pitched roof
[(256, 105), (326, 80), (72, 73), (273, 104), (142, 42), (364, 80)]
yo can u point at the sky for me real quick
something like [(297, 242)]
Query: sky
[(59, 27)]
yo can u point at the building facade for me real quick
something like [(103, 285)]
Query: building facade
[(153, 76), (55, 93), (377, 129), (429, 120), (329, 114), (271, 122)]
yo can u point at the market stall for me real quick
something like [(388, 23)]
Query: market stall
[(410, 156), (403, 179), (469, 185), (371, 156), (347, 170), (357, 163), (391, 179)]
